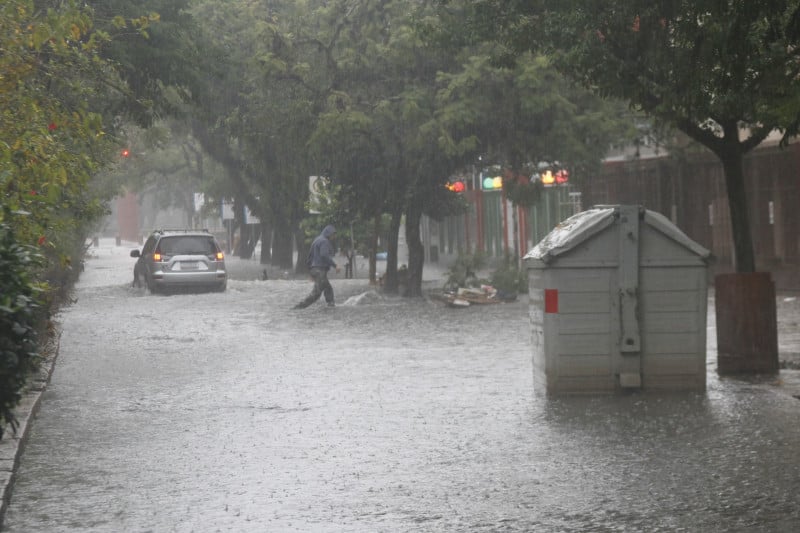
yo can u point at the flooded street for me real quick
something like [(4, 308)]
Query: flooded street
[(232, 412)]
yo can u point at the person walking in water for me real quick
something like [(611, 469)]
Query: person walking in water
[(320, 260)]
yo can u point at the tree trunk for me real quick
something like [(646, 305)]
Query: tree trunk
[(238, 214), (373, 246), (416, 252), (744, 255), (391, 282), (302, 251), (248, 241), (282, 246), (747, 338), (266, 243)]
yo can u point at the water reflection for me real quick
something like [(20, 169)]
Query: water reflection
[(714, 462)]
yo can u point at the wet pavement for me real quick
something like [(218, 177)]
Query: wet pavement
[(231, 412)]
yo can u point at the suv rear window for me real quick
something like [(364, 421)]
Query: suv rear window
[(187, 245)]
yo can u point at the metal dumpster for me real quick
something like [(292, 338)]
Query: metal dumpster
[(618, 301)]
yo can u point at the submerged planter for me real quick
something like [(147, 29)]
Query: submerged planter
[(747, 325)]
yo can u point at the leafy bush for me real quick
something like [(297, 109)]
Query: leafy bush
[(18, 321), (523, 193), (463, 271), (509, 278)]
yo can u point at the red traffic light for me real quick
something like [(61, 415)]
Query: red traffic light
[(456, 186), (125, 152), (550, 178)]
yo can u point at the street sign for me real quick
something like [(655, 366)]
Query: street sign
[(227, 210)]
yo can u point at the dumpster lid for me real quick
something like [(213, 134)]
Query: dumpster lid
[(581, 226), (571, 232), (661, 223)]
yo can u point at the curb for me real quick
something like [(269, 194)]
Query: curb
[(13, 444)]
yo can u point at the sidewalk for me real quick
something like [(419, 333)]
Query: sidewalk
[(788, 310), (12, 444), (788, 313)]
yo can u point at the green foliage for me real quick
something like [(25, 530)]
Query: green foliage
[(353, 231), (509, 278), (154, 48), (18, 321), (524, 113), (706, 62), (353, 91), (727, 74), (53, 144), (523, 192), (464, 271), (326, 208)]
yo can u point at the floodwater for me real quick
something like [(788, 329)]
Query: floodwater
[(231, 412)]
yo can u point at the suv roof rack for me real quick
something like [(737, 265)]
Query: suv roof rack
[(181, 230)]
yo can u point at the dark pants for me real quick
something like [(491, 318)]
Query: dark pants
[(321, 286)]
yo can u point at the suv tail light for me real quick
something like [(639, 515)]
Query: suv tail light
[(220, 256), (157, 256)]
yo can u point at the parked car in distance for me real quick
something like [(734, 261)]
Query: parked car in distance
[(180, 259)]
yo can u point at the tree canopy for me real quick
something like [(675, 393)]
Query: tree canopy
[(53, 142), (725, 73), (358, 93), (276, 92)]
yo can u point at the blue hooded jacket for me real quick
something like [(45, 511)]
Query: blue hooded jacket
[(321, 253)]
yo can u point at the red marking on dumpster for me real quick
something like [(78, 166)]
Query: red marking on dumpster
[(551, 300)]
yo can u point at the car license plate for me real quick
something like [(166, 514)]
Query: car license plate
[(188, 265)]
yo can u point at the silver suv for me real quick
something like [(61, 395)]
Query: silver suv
[(180, 259)]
